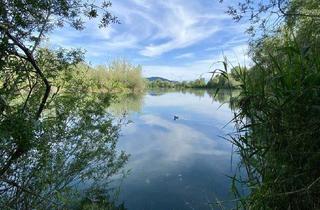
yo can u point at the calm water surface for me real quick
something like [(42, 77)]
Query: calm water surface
[(176, 164)]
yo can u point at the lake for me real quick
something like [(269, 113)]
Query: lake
[(176, 164)]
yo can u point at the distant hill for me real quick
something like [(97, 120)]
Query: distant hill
[(159, 78)]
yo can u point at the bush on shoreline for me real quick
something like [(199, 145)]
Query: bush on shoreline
[(118, 77)]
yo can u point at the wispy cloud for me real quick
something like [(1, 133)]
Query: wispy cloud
[(185, 55), (175, 37), (181, 27), (237, 55)]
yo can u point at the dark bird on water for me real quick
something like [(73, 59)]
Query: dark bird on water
[(175, 117)]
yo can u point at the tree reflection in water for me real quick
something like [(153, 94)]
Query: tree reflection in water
[(221, 96)]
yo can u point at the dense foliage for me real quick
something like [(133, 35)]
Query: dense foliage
[(74, 141), (225, 80), (120, 76), (277, 116), (55, 137)]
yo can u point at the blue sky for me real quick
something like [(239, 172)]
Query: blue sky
[(175, 39)]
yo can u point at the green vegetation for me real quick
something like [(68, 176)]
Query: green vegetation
[(58, 139), (225, 80), (57, 151), (198, 83), (56, 136), (217, 81), (119, 77), (277, 115)]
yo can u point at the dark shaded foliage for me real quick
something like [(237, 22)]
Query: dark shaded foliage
[(277, 115)]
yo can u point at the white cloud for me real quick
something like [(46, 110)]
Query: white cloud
[(200, 68), (181, 27), (152, 30), (176, 72), (181, 136), (185, 55), (184, 38)]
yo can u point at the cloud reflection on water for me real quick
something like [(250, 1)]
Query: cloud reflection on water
[(177, 163)]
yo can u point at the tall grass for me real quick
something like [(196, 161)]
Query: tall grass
[(278, 123)]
